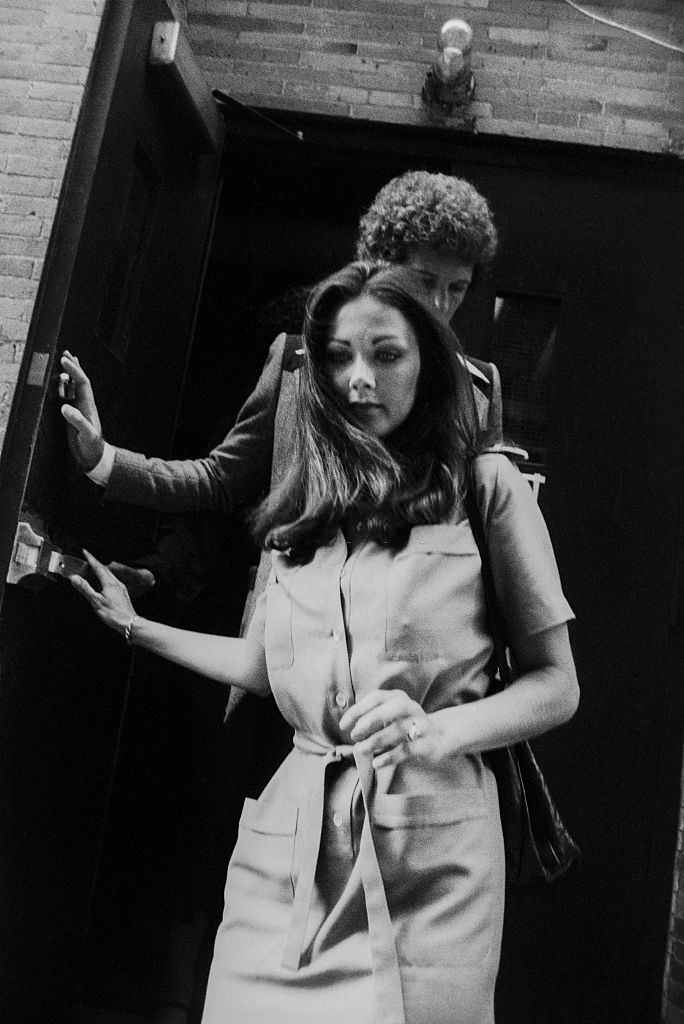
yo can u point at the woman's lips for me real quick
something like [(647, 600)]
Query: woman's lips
[(364, 410)]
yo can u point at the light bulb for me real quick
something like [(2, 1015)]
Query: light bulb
[(454, 45), (449, 82)]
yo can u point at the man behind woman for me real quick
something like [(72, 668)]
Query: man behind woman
[(435, 223), (368, 879)]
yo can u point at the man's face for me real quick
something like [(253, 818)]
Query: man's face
[(446, 279)]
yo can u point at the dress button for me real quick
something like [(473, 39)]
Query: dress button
[(335, 634), (340, 700), (337, 819)]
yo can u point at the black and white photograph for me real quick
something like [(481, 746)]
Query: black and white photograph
[(341, 512)]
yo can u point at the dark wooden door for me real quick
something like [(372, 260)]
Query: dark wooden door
[(120, 289)]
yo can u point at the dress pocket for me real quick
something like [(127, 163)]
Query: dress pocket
[(423, 834), (432, 593), (418, 810), (440, 859), (267, 834), (260, 888), (269, 818)]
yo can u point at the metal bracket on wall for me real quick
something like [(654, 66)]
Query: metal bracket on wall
[(175, 67), (36, 559)]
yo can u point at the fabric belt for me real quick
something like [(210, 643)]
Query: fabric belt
[(384, 960)]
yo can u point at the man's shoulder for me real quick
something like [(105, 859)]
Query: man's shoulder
[(488, 399), (293, 351), (284, 357), (483, 375)]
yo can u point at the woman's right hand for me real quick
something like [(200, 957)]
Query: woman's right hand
[(111, 603), (80, 411), (393, 728)]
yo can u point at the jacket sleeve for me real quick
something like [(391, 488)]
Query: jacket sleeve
[(488, 402), (233, 475)]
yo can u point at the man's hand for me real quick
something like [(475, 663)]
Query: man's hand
[(136, 581), (79, 410)]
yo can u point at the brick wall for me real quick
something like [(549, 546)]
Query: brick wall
[(543, 70), (45, 51)]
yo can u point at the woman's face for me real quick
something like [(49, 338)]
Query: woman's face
[(373, 360)]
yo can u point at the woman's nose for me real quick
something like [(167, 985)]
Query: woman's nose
[(361, 376)]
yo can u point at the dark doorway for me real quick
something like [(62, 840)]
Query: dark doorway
[(585, 325)]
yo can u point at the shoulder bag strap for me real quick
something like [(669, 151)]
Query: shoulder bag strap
[(495, 621)]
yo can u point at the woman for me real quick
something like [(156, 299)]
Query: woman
[(367, 882)]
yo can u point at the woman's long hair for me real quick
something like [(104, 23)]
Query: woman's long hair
[(341, 475)]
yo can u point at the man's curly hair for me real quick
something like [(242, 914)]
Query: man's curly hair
[(423, 209)]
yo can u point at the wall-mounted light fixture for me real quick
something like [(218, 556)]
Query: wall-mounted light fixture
[(449, 83)]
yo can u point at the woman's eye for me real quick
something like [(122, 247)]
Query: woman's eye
[(336, 356), (388, 356)]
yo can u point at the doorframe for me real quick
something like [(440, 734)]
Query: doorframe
[(429, 143), (669, 859), (53, 290)]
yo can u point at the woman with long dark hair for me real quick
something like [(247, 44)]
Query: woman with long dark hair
[(367, 883), (348, 462)]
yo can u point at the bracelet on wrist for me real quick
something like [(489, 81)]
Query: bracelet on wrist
[(128, 631)]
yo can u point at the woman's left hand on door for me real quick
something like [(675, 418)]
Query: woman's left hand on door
[(111, 603)]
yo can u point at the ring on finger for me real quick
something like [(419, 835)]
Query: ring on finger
[(413, 731)]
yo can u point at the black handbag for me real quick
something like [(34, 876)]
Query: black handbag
[(538, 846)]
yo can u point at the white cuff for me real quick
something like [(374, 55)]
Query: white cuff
[(474, 371), (101, 472)]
